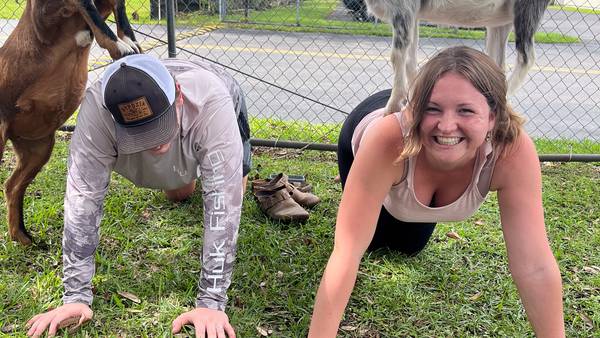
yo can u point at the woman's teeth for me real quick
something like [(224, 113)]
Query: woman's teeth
[(448, 141)]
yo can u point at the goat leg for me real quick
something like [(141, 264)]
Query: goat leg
[(124, 30), (116, 47), (31, 156), (495, 43), (3, 138), (403, 24)]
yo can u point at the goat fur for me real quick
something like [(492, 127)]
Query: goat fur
[(44, 69), (498, 16)]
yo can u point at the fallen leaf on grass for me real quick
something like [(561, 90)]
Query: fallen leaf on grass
[(72, 324), (453, 235), (476, 296), (262, 284), (279, 274), (591, 269), (586, 319), (129, 296), (9, 328), (348, 328), (479, 222), (237, 302), (262, 331), (146, 214)]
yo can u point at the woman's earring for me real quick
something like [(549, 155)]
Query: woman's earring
[(488, 136)]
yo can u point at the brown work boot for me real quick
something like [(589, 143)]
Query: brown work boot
[(302, 186), (277, 203), (300, 194), (305, 199)]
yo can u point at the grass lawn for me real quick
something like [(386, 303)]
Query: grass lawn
[(150, 247), (575, 9), (312, 18), (275, 129)]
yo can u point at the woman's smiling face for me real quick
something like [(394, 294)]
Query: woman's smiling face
[(455, 122)]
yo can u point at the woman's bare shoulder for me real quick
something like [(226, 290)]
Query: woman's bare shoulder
[(518, 157)]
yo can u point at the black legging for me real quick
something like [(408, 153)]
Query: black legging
[(406, 237)]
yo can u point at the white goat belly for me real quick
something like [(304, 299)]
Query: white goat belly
[(469, 13)]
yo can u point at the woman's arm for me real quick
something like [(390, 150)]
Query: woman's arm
[(370, 178), (530, 259)]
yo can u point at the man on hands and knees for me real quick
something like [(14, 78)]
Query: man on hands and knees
[(161, 124)]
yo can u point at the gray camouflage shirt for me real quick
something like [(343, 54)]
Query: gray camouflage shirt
[(209, 148)]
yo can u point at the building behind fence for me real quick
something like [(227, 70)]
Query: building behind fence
[(304, 64)]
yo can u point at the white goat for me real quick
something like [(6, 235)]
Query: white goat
[(498, 16)]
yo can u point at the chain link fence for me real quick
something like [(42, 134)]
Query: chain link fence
[(304, 64)]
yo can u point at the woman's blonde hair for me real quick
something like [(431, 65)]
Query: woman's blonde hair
[(484, 75)]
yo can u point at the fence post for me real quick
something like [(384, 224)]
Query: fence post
[(171, 27), (298, 13), (222, 10)]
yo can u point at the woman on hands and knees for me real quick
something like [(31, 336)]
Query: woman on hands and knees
[(457, 140)]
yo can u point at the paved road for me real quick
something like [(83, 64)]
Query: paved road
[(585, 26), (561, 97)]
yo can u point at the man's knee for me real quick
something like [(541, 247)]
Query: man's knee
[(181, 194)]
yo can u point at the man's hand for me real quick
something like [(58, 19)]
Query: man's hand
[(213, 323), (62, 316)]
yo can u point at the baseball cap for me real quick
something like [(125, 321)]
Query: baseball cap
[(139, 93)]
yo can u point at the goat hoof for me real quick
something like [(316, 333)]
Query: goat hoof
[(393, 107), (21, 237)]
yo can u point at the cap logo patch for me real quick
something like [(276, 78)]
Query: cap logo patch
[(135, 110)]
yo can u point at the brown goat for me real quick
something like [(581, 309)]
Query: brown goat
[(43, 74)]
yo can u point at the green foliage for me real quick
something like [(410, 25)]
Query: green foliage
[(545, 146), (275, 129), (302, 131), (150, 247), (575, 9)]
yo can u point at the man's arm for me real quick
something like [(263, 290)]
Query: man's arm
[(92, 156), (218, 147), (87, 182), (90, 161), (221, 177)]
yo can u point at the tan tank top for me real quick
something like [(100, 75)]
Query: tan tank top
[(401, 201)]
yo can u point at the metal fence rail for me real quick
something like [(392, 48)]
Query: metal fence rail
[(309, 62)]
